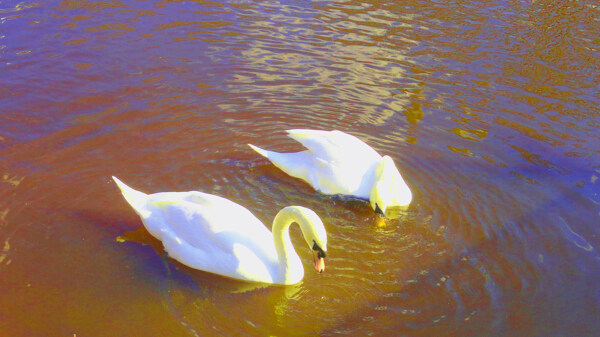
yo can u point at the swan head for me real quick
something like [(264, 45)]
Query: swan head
[(318, 257), (316, 238), (389, 189)]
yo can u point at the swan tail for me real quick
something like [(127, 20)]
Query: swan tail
[(295, 164), (280, 160), (304, 136), (320, 143), (138, 200), (260, 151)]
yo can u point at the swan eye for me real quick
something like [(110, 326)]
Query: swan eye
[(319, 250)]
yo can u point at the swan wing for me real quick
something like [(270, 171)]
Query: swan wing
[(207, 232), (334, 146), (194, 216), (339, 162), (211, 231), (334, 162), (304, 165)]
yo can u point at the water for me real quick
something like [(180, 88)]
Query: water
[(489, 109)]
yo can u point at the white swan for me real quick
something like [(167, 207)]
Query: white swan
[(214, 234), (338, 163)]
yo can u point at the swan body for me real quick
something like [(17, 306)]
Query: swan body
[(335, 162), (217, 235)]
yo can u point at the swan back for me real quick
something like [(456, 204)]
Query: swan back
[(138, 200), (208, 232), (334, 162)]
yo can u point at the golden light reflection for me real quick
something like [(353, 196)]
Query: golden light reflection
[(205, 24), (141, 236), (380, 221), (6, 247), (146, 12), (82, 66), (94, 116), (284, 305), (523, 178), (493, 161), (153, 79), (13, 180), (75, 42), (68, 25), (110, 26), (4, 252), (91, 6), (470, 134), (462, 151), (80, 17), (18, 7), (528, 131), (537, 160), (413, 112)]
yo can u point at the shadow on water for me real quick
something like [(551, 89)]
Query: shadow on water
[(189, 293)]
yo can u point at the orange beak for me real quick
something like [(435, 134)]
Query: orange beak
[(319, 262)]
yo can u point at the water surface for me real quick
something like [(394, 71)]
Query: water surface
[(489, 109)]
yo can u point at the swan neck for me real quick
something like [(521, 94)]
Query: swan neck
[(290, 266)]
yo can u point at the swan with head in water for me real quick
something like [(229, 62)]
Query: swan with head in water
[(338, 163), (214, 234)]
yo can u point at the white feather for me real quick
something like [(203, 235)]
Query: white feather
[(214, 234), (338, 163)]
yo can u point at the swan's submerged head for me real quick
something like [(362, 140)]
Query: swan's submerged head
[(389, 189)]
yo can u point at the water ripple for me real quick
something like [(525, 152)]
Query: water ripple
[(489, 109)]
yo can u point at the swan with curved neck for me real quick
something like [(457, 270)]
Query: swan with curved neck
[(217, 235), (335, 162)]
